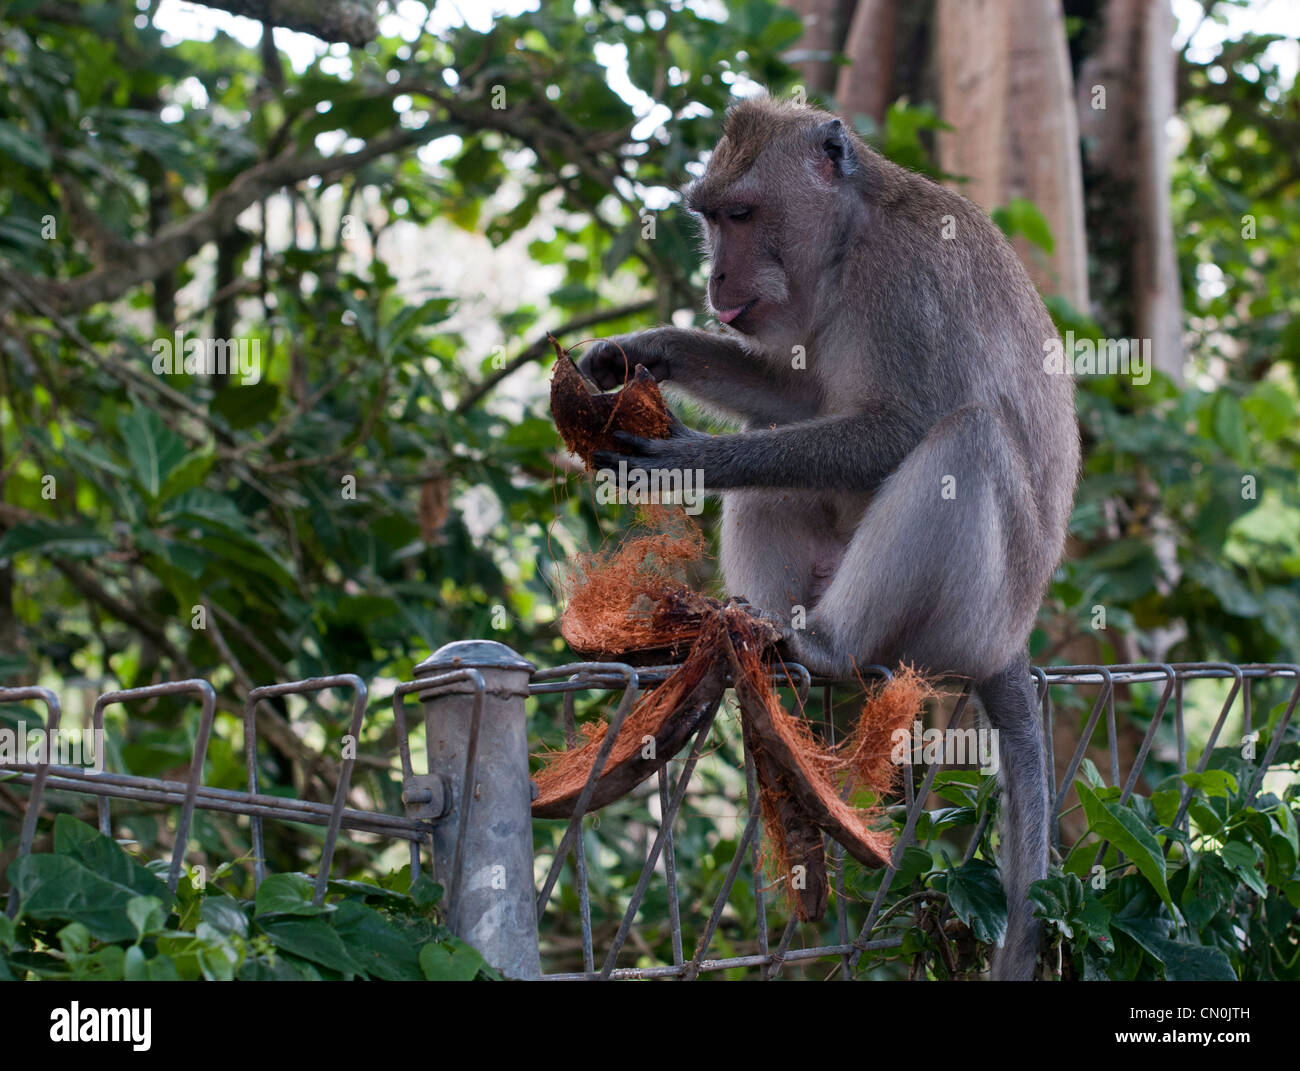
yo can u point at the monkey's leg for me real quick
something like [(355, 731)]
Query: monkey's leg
[(946, 570), (768, 551), (946, 567), (1010, 703)]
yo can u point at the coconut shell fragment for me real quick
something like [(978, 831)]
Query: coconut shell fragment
[(633, 600), (669, 715), (587, 419), (794, 839)]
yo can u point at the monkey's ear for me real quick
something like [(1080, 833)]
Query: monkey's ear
[(834, 141)]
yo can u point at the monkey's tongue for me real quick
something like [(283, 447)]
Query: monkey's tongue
[(727, 315)]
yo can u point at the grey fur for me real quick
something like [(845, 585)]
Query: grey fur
[(909, 487)]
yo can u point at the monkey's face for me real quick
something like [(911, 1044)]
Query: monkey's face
[(768, 204), (746, 283)]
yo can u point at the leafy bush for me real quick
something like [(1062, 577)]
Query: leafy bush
[(1224, 904), (90, 911)]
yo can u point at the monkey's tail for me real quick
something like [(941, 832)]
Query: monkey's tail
[(1010, 703)]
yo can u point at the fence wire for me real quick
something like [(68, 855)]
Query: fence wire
[(427, 798)]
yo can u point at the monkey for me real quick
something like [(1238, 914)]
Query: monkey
[(907, 462)]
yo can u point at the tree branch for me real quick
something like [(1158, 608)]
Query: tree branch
[(350, 21), (541, 347), (178, 241)]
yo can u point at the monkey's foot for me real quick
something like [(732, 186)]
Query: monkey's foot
[(798, 646), (775, 623)]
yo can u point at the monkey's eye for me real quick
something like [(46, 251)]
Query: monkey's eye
[(740, 215)]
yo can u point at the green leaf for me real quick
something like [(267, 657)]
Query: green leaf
[(58, 887), (1088, 769), (246, 405), (1212, 782), (1125, 831), (139, 968), (425, 891), (450, 961), (915, 862), (1280, 860), (411, 318), (224, 914), (1286, 824), (1064, 900), (313, 940), (1185, 962), (1021, 216), (287, 894), (54, 540), (147, 914), (23, 147), (975, 894), (1272, 409), (380, 948), (153, 449), (1206, 818), (1230, 426), (187, 475), (105, 857), (1242, 858)]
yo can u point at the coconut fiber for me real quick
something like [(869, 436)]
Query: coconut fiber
[(633, 599)]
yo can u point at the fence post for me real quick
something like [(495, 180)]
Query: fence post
[(493, 901)]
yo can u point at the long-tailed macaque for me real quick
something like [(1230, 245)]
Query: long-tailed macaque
[(908, 464)]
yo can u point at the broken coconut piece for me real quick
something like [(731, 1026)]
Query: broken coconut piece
[(633, 598), (793, 837), (587, 419), (669, 715), (807, 767)]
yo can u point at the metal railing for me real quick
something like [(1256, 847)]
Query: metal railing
[(468, 818)]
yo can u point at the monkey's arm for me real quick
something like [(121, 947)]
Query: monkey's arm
[(842, 453), (715, 369)]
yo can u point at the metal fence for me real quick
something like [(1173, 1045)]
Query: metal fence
[(467, 817)]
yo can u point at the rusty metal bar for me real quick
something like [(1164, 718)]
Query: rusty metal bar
[(273, 691), (208, 698)]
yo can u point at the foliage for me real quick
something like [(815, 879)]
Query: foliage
[(1215, 897), (89, 911)]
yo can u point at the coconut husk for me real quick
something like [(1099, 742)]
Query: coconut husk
[(793, 838), (587, 419), (809, 769), (634, 599), (669, 715)]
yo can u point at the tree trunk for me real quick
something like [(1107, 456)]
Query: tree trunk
[(822, 39), (1043, 160), (1125, 98), (865, 86), (974, 44), (1008, 93)]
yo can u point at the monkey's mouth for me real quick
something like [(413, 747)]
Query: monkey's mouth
[(728, 316)]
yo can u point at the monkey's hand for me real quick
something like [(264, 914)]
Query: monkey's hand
[(610, 362), (683, 449)]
